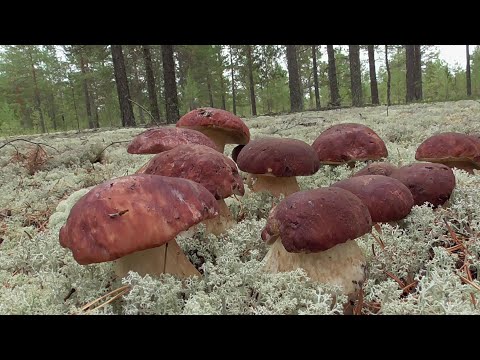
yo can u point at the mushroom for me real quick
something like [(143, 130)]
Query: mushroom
[(274, 163), (208, 167), (347, 143), (159, 139), (428, 182), (453, 149), (377, 168), (315, 230), (134, 220), (387, 199), (236, 150), (221, 126)]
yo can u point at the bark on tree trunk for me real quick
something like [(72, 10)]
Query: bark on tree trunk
[(234, 101), (152, 92), (355, 75), (128, 119), (373, 75), (38, 103), (138, 85), (209, 89), (294, 84), (222, 81), (250, 80), (171, 99), (469, 74), (389, 77), (91, 125), (332, 77), (410, 72), (315, 77), (418, 73)]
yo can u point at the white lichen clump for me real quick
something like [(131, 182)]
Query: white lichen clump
[(414, 267)]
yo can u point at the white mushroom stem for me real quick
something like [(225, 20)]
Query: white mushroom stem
[(343, 264), (221, 223), (272, 184), (217, 136), (168, 258)]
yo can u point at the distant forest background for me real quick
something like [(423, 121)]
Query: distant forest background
[(46, 88)]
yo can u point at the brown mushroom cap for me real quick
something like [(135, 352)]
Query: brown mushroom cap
[(157, 140), (349, 142), (377, 168), (450, 147), (428, 182), (387, 198), (133, 213), (208, 167), (278, 157), (316, 220), (209, 119)]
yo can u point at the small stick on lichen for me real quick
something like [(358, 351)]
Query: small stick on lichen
[(31, 142), (382, 245), (70, 293), (120, 291), (469, 282), (120, 213), (400, 282)]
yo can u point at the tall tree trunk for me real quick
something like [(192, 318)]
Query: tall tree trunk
[(250, 80), (469, 74), (52, 112), (128, 119), (294, 84), (222, 81), (418, 73), (234, 100), (38, 103), (171, 97), (83, 69), (332, 77), (410, 72), (355, 75), (152, 92), (209, 89), (389, 77), (373, 75), (315, 77), (75, 104), (138, 84)]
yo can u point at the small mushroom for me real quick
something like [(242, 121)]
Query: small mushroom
[(134, 220), (347, 143), (428, 182), (377, 168), (210, 168), (387, 199), (274, 163), (455, 150), (315, 230), (221, 126), (164, 138)]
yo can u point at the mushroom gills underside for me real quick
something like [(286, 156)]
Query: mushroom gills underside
[(343, 264)]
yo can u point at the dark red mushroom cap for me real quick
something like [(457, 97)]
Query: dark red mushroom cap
[(236, 150), (133, 213), (317, 220), (207, 119), (157, 140), (428, 182), (280, 157), (208, 167), (450, 147), (387, 198), (349, 142), (377, 168)]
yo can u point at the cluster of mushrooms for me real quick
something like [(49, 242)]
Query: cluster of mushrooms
[(134, 220)]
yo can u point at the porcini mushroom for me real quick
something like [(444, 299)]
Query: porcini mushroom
[(208, 167), (315, 230), (387, 199), (428, 182), (221, 126), (456, 150), (164, 138), (347, 143), (376, 168), (274, 164), (134, 220)]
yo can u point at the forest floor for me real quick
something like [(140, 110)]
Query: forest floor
[(428, 264)]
